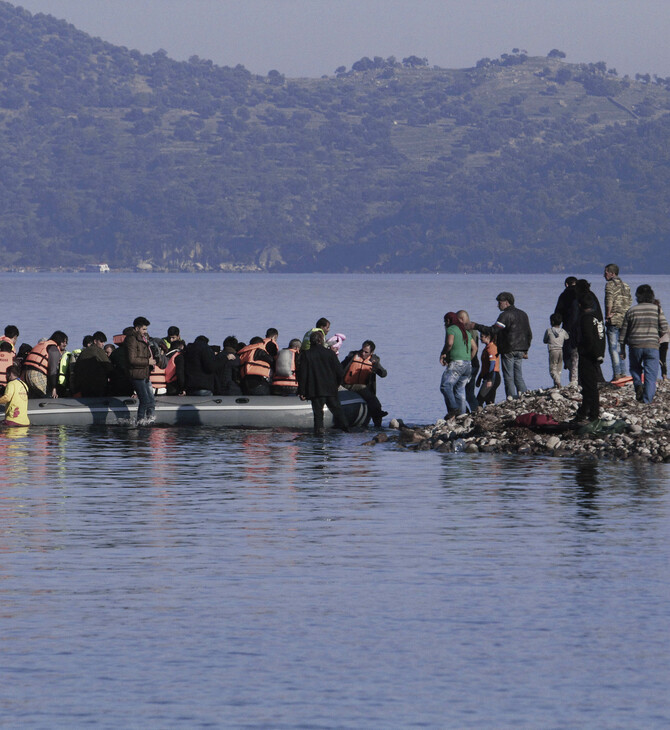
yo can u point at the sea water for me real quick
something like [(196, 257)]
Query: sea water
[(192, 577)]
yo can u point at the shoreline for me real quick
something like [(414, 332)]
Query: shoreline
[(627, 429)]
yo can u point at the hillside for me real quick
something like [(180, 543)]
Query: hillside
[(519, 164)]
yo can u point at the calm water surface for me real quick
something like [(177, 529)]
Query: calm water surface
[(161, 577)]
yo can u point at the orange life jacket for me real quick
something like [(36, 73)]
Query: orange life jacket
[(285, 369), (160, 377), (249, 366), (7, 339), (38, 357), (157, 378), (359, 371), (6, 359)]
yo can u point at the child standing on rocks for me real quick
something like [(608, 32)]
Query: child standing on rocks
[(489, 375), (554, 338)]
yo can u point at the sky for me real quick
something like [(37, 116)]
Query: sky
[(314, 37)]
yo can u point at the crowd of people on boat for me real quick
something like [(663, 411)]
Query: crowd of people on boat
[(576, 341), (139, 365)]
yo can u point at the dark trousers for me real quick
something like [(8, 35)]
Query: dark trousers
[(147, 402), (488, 395), (333, 403), (374, 406), (589, 371)]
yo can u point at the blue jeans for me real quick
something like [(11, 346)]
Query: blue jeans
[(452, 386), (644, 360), (145, 393), (512, 375), (613, 345)]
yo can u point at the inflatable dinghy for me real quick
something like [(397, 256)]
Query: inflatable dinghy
[(232, 411)]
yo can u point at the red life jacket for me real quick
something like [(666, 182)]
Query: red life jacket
[(38, 357), (285, 371), (6, 359), (253, 367), (359, 371)]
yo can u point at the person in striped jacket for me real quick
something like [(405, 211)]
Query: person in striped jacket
[(642, 328)]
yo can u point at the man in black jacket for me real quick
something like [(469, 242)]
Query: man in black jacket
[(513, 337), (591, 353), (361, 368), (567, 307), (319, 377), (199, 367)]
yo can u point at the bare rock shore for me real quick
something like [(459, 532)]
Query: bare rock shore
[(627, 429)]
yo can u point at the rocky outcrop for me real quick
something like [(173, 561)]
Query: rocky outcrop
[(627, 430)]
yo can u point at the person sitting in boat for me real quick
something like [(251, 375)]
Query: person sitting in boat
[(22, 354), (227, 368), (322, 325), (270, 341), (140, 361), (199, 367), (11, 335), (173, 335), (6, 359), (256, 368), (120, 383), (42, 363), (68, 361), (92, 369), (285, 378), (175, 377), (361, 368), (15, 398)]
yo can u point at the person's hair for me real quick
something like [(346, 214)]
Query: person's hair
[(316, 338), (141, 322), (570, 281), (555, 319), (88, 340), (202, 338), (240, 346), (11, 330), (505, 296), (109, 344), (59, 337), (127, 331), (583, 287), (272, 332), (256, 341), (612, 269), (24, 349), (644, 294), (173, 331), (14, 370), (230, 341), (294, 344), (5, 346), (370, 343), (100, 336), (177, 345), (322, 322)]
